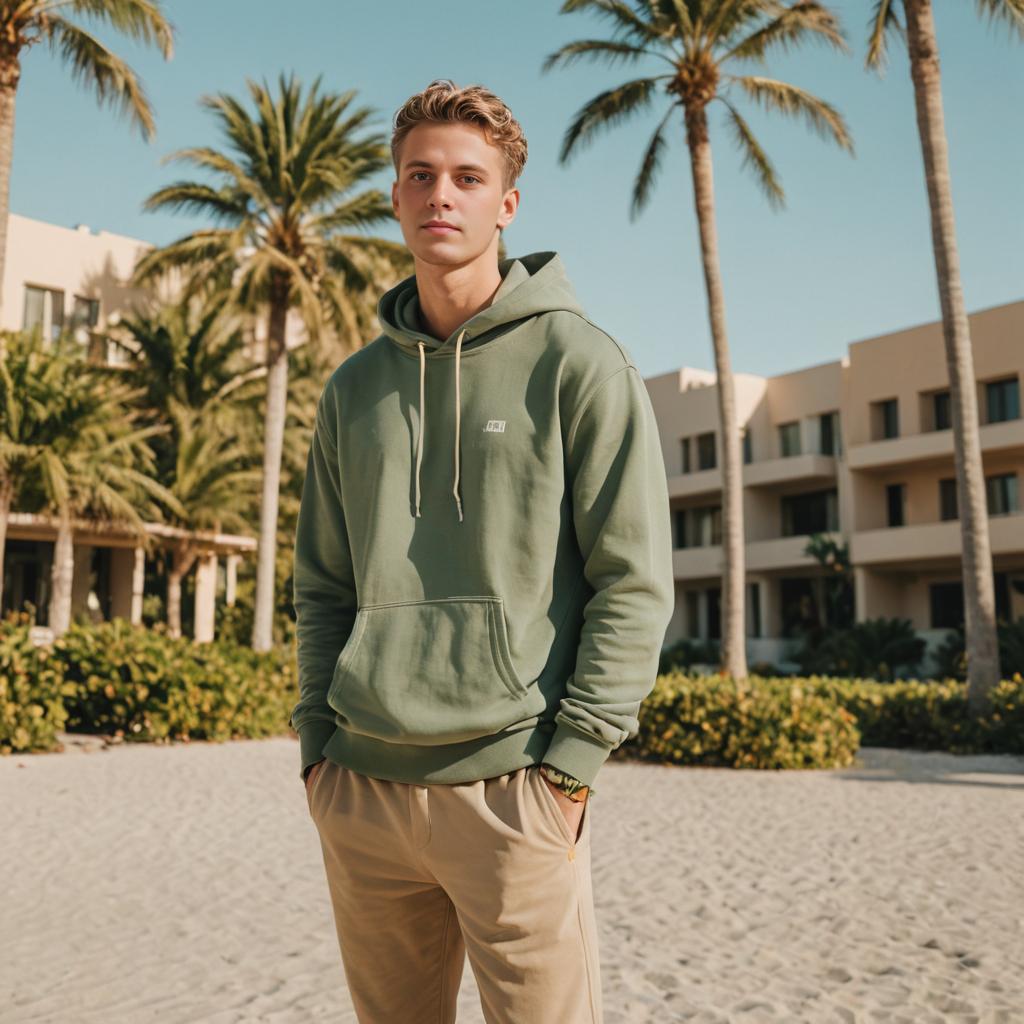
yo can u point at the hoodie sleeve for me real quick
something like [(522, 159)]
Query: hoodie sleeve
[(621, 514), (323, 591)]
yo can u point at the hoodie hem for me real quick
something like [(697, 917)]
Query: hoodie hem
[(446, 764)]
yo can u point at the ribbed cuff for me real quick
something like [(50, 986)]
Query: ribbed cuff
[(576, 753), (312, 738)]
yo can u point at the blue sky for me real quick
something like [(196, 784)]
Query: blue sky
[(849, 257)]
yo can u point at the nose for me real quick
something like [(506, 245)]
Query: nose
[(437, 198)]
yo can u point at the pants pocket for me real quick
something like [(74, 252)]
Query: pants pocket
[(555, 811), (428, 672)]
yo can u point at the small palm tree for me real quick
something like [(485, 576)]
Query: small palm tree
[(23, 359), (89, 459), (191, 374), (285, 194), (701, 41), (215, 476), (23, 23), (923, 48)]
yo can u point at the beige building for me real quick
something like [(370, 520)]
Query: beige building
[(861, 449), (74, 278)]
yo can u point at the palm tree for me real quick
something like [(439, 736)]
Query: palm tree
[(23, 23), (89, 458), (923, 48), (701, 41), (23, 356), (214, 476), (284, 194), (189, 371)]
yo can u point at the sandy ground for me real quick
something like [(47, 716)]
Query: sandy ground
[(185, 884)]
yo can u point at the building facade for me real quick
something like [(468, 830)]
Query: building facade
[(58, 278), (860, 449)]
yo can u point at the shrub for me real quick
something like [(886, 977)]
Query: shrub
[(951, 655), (758, 723), (31, 690), (876, 648), (145, 685)]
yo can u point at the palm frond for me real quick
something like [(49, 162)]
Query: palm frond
[(141, 20), (789, 99), (609, 50), (795, 24), (649, 167), (92, 64), (622, 16), (1008, 13), (884, 21), (606, 110), (755, 157)]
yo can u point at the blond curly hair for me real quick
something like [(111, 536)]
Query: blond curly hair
[(443, 100)]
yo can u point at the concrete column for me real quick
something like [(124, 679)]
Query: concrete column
[(122, 582), (138, 585), (205, 597), (231, 579), (80, 579)]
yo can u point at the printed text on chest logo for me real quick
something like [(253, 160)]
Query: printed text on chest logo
[(498, 426)]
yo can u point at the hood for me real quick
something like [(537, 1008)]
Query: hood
[(530, 285)]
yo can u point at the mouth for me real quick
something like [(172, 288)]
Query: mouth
[(439, 229)]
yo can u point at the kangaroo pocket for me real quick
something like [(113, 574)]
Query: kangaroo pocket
[(428, 672)]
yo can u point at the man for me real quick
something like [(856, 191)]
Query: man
[(483, 581)]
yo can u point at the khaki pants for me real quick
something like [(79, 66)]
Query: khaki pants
[(422, 875)]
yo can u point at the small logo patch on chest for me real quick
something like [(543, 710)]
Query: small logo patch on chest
[(495, 426)]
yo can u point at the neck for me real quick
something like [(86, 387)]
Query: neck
[(450, 295)]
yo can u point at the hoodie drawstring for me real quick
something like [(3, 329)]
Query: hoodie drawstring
[(458, 414)]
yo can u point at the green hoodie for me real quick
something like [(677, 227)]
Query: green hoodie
[(483, 564)]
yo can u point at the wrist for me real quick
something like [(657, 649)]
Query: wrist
[(565, 783)]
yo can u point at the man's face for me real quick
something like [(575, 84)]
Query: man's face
[(450, 172)]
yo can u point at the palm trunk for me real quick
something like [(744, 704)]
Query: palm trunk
[(273, 446), (734, 650), (61, 576), (10, 72), (6, 498), (182, 559), (979, 592)]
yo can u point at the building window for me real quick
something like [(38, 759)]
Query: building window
[(714, 598), (693, 613), (815, 512), (748, 447), (789, 439), (942, 411), (947, 499), (85, 312), (947, 605), (885, 419), (44, 308), (685, 445), (707, 526), (1002, 400), (706, 457), (1001, 492), (895, 495), (680, 527), (828, 434), (754, 608)]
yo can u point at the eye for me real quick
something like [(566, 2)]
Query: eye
[(414, 173), (473, 176)]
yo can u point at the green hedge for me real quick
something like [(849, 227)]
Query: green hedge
[(760, 723), (930, 715), (139, 684), (32, 693)]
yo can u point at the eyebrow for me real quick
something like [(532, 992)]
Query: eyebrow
[(461, 167)]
